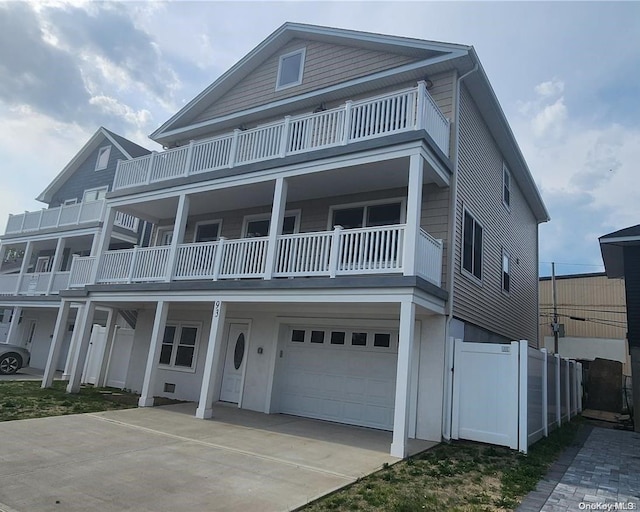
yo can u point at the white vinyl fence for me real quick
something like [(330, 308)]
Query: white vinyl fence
[(509, 394)]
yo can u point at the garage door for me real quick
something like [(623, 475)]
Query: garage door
[(340, 375)]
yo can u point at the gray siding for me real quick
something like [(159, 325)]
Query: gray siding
[(513, 315), (324, 65), (86, 177)]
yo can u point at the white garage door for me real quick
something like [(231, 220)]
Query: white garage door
[(340, 375)]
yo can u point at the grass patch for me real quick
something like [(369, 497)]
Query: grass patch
[(461, 476), (26, 399)]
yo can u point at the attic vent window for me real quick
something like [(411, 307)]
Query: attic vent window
[(290, 69), (103, 158)]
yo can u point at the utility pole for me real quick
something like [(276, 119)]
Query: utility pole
[(555, 326)]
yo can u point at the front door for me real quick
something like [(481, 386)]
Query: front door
[(234, 363)]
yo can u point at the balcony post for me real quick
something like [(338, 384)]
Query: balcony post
[(59, 215), (13, 325), (414, 207), (178, 235), (56, 263), (347, 122), (284, 141), (234, 147), (24, 217), (132, 265), (40, 218), (25, 265), (421, 97), (187, 163), (334, 253), (98, 249), (80, 212), (217, 262), (153, 356), (150, 167), (275, 225), (56, 343)]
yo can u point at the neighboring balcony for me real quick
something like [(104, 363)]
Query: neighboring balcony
[(66, 216), (39, 283), (362, 251), (355, 121)]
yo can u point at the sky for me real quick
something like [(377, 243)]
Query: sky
[(567, 75)]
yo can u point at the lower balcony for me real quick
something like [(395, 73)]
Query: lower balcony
[(39, 283), (378, 250)]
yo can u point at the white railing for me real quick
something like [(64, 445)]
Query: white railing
[(196, 261), (150, 263), (371, 250), (303, 255), (66, 215), (243, 258), (8, 284), (81, 271), (126, 221), (60, 282), (376, 250), (429, 258), (34, 284), (410, 109)]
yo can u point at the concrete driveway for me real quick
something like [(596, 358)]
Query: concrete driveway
[(163, 459)]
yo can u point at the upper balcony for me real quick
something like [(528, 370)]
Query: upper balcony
[(65, 216), (355, 121)]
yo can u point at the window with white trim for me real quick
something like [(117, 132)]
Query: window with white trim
[(471, 245), (368, 215), (179, 346), (103, 158), (290, 68), (506, 271), (258, 225), (207, 231), (94, 194), (506, 187), (69, 202)]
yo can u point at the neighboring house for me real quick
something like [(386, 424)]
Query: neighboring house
[(621, 255), (331, 210), (38, 248), (592, 315)]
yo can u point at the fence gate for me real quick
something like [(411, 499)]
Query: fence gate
[(485, 393)]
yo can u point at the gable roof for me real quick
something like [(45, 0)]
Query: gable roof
[(420, 49), (431, 58), (612, 248), (128, 149)]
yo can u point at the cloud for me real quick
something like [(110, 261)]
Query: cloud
[(549, 121), (550, 88), (112, 106)]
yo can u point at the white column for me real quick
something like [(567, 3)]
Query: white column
[(56, 343), (275, 226), (403, 378), (25, 265), (205, 405), (414, 208), (108, 343), (146, 397), (82, 347), (73, 343), (104, 240), (13, 326), (545, 391), (178, 234), (55, 266)]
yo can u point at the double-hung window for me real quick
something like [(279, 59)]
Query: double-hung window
[(257, 226), (207, 231), (179, 346), (471, 245), (94, 194)]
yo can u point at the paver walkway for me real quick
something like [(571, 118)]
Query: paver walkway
[(602, 474)]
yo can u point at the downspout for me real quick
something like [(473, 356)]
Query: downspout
[(448, 407)]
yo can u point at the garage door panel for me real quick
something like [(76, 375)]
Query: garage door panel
[(342, 383)]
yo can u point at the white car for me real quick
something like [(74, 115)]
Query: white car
[(12, 358)]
